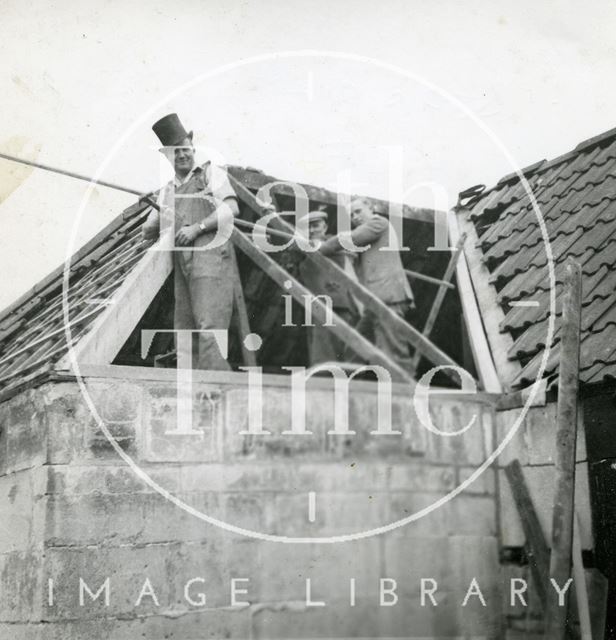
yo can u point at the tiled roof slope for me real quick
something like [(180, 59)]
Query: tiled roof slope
[(576, 193), (32, 329)]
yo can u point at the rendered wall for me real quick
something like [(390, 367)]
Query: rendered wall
[(77, 510)]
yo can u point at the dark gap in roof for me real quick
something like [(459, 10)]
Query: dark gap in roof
[(487, 218)]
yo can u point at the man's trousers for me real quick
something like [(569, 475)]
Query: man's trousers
[(324, 346), (385, 337), (203, 303)]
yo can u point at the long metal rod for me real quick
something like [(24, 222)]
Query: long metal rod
[(78, 176), (146, 196), (566, 431)]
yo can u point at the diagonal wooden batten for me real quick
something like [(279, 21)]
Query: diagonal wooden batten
[(341, 329), (538, 550), (115, 324), (83, 317), (427, 348), (440, 295), (415, 275), (473, 317)]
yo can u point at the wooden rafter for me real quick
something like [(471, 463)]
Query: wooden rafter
[(243, 323), (114, 325), (472, 317), (422, 344), (363, 347)]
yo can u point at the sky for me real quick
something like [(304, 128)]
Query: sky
[(390, 95)]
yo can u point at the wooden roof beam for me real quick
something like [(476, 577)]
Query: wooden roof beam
[(422, 344), (360, 345), (254, 180), (472, 316)]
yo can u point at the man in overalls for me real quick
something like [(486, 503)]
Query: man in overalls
[(200, 200)]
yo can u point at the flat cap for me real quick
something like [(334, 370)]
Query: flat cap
[(311, 216)]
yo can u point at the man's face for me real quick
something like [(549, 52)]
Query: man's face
[(360, 212), (317, 229), (182, 157)]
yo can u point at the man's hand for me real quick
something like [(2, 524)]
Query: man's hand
[(187, 235), (352, 255), (149, 232), (151, 227)]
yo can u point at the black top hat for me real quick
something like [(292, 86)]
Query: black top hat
[(170, 130)]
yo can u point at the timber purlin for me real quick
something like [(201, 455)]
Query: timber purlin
[(576, 193), (254, 180)]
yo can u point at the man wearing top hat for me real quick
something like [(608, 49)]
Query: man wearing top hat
[(197, 202), (380, 271), (323, 345)]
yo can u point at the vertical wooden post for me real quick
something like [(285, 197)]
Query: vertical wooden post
[(581, 591), (243, 324), (566, 425)]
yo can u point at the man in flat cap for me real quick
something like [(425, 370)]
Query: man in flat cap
[(200, 201), (323, 345), (380, 271)]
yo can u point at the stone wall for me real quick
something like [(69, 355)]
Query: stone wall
[(76, 509)]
